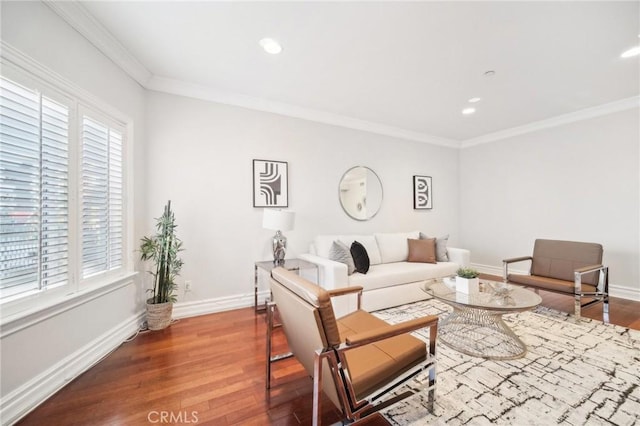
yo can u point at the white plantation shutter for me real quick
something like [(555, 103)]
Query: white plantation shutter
[(116, 208), (34, 188), (54, 221), (62, 191), (102, 202)]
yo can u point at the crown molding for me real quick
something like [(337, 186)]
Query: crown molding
[(82, 21), (177, 87), (79, 18), (572, 117)]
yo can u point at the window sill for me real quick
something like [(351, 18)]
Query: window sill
[(12, 322)]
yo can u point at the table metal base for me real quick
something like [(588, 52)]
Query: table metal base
[(480, 333)]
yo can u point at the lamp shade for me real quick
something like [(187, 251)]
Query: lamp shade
[(278, 220)]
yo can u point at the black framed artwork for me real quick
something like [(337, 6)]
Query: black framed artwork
[(270, 183), (422, 193)]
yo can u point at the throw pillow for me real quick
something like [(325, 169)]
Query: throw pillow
[(442, 255), (422, 250), (370, 244), (340, 252), (360, 257)]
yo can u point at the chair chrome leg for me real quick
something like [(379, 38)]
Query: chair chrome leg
[(577, 306), (317, 389), (432, 392), (577, 291), (605, 309), (269, 332)]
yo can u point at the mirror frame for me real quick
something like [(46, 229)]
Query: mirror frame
[(342, 204)]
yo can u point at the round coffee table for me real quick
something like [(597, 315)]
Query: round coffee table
[(475, 327)]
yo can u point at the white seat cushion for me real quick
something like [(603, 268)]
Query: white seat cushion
[(396, 273)]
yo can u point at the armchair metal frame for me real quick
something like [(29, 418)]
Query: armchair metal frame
[(601, 295), (354, 408)]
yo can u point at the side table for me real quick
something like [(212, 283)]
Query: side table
[(302, 267)]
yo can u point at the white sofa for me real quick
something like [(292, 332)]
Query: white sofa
[(391, 280)]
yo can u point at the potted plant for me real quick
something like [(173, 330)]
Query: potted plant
[(467, 281), (162, 249)]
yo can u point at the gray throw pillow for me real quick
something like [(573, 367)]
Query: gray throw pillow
[(340, 252), (442, 255)]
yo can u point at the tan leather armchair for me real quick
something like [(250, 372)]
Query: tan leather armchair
[(567, 267), (357, 360)]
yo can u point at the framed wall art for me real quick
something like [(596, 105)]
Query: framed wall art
[(270, 183), (422, 193)]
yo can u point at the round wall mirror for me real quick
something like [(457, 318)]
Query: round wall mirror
[(360, 193)]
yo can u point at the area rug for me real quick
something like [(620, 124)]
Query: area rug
[(576, 372)]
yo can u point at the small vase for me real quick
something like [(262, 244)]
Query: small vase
[(467, 285)]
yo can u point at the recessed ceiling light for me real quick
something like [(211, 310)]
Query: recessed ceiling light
[(634, 51), (474, 100), (270, 46), (468, 111)]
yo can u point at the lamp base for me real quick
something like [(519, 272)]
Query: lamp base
[(279, 248)]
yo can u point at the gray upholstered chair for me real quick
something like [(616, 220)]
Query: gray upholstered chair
[(566, 267), (357, 360)]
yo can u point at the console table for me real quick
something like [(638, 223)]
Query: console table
[(306, 269)]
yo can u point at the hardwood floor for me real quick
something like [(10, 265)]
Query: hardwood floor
[(210, 370), (202, 370)]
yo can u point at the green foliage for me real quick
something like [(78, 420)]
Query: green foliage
[(162, 249), (467, 273)]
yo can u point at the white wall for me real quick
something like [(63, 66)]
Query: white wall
[(579, 182), (200, 156), (41, 352)]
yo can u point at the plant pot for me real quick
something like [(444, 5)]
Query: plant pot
[(467, 285), (158, 315)]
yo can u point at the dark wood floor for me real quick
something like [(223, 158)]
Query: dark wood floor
[(210, 370)]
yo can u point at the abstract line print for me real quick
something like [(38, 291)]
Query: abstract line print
[(270, 186), (422, 193)]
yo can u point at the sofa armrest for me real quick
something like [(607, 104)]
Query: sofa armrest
[(337, 292), (517, 259), (344, 291), (603, 278), (331, 274), (506, 262), (383, 333), (587, 269), (461, 257)]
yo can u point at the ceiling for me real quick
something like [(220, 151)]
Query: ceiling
[(400, 68)]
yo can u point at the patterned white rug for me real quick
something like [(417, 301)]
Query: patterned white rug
[(574, 373)]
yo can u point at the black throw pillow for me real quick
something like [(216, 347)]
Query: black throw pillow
[(360, 257)]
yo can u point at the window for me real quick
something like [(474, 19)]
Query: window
[(61, 220), (101, 198)]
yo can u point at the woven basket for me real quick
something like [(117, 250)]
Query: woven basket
[(159, 315)]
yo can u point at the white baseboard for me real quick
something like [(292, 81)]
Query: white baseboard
[(27, 397), (219, 304), (623, 292)]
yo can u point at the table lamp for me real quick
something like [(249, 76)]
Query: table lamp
[(278, 220)]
